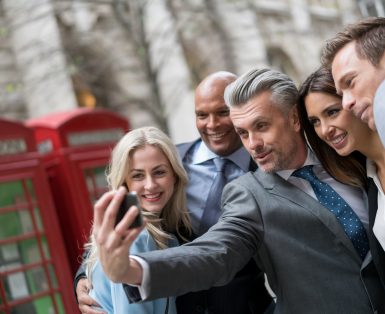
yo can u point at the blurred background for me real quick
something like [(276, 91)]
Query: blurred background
[(143, 59), (75, 75)]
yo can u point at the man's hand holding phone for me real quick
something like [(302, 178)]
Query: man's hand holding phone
[(114, 238)]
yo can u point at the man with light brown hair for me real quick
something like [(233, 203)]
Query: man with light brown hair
[(356, 57)]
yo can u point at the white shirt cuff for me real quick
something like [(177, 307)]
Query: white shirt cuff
[(145, 286)]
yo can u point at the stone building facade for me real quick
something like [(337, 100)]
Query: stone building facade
[(143, 59)]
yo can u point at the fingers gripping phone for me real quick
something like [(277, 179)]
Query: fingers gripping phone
[(130, 199)]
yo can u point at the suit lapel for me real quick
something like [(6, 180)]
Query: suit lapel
[(378, 253), (277, 186), (372, 200), (183, 148)]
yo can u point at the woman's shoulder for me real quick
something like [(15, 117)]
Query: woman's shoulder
[(143, 243)]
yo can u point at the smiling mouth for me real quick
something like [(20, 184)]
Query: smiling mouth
[(261, 155), (152, 197), (339, 138), (217, 136)]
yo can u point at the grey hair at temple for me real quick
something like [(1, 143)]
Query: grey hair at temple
[(284, 93)]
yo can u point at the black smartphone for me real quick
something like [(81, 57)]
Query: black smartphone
[(130, 199)]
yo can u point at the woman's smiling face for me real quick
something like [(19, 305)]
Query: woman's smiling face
[(339, 128), (151, 177)]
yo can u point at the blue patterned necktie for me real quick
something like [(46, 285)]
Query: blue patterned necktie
[(212, 209), (329, 198)]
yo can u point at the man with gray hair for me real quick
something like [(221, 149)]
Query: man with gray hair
[(272, 215)]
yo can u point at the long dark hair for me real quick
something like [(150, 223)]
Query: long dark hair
[(346, 169)]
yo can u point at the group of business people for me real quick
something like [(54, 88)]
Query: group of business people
[(218, 140), (301, 218)]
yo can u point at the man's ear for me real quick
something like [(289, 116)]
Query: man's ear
[(294, 118)]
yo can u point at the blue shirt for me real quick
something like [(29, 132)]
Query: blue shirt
[(201, 171), (112, 297)]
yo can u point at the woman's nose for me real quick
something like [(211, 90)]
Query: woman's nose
[(326, 129), (150, 182)]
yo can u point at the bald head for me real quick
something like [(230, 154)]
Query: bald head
[(212, 115), (214, 84)]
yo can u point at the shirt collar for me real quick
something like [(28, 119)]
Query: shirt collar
[(311, 159), (371, 171), (240, 157)]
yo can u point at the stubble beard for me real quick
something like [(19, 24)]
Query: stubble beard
[(282, 160)]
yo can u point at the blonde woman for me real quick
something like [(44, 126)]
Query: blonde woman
[(145, 161)]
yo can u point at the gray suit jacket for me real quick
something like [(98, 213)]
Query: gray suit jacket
[(310, 262)]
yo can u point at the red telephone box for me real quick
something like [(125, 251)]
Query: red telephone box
[(77, 147), (35, 276)]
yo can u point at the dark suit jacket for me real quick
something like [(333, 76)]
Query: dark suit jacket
[(376, 249), (310, 262), (246, 293)]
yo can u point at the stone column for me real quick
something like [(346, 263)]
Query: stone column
[(300, 15), (173, 75), (39, 56), (242, 29)]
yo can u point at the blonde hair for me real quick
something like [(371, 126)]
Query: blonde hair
[(174, 216)]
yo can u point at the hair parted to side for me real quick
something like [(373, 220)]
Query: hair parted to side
[(174, 217), (346, 169), (369, 35), (254, 82)]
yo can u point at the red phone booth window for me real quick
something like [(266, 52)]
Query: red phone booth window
[(77, 146), (34, 272)]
